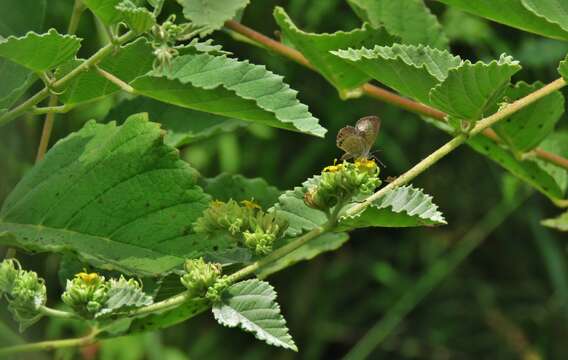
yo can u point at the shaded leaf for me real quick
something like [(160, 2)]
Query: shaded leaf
[(563, 68), (115, 195), (90, 85), (411, 70), (184, 126), (40, 52), (554, 11), (558, 223), (229, 87), (525, 129), (251, 305), (16, 79), (316, 48), (512, 13), (138, 19), (211, 14), (324, 243), (169, 318), (410, 20), (401, 207), (24, 16), (105, 10), (237, 187), (556, 143), (470, 90)]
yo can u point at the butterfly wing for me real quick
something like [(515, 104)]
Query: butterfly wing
[(368, 127), (350, 140)]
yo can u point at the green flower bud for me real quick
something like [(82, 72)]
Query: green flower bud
[(199, 276), (340, 183), (264, 230), (27, 295), (222, 216), (260, 242), (86, 294), (8, 272)]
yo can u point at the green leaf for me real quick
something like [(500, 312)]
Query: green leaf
[(116, 196), (184, 126), (556, 143), (563, 68), (90, 85), (105, 10), (512, 13), (16, 79), (40, 52), (237, 187), (138, 19), (252, 306), (554, 11), (404, 206), (470, 90), (525, 129), (526, 170), (229, 87), (211, 14), (410, 20), (21, 16), (411, 70), (324, 243), (169, 318), (123, 296), (316, 48), (558, 223)]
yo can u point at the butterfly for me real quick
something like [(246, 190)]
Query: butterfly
[(357, 140)]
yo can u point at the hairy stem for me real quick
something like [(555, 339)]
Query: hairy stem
[(48, 345), (47, 311), (375, 91)]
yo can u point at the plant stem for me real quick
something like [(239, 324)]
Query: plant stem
[(57, 313), (113, 79), (48, 345), (375, 91), (433, 277), (161, 305)]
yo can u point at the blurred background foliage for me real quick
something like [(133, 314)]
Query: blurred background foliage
[(491, 284)]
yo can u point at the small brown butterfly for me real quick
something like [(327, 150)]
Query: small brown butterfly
[(358, 140)]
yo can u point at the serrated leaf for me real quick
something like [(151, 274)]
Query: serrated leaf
[(512, 13), (553, 11), (237, 187), (115, 195), (525, 129), (526, 170), (410, 20), (251, 305), (105, 10), (556, 143), (123, 296), (401, 207), (184, 126), (229, 87), (470, 90), (129, 62), (558, 223), (138, 19), (411, 70), (324, 243), (211, 14), (40, 52), (316, 48)]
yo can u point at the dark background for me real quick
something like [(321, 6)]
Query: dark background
[(507, 299)]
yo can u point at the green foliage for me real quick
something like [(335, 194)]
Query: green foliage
[(251, 305), (516, 13), (16, 80), (559, 223), (229, 87), (526, 129), (211, 15), (437, 78), (410, 20), (551, 10), (24, 16), (124, 295), (225, 187), (40, 52), (401, 207), (90, 85), (316, 48), (91, 196), (105, 10), (138, 19)]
